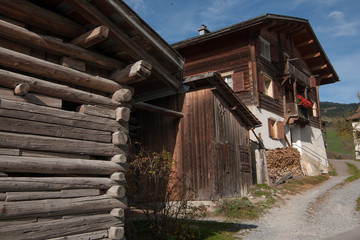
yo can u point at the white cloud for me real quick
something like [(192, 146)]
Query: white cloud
[(337, 15), (342, 26)]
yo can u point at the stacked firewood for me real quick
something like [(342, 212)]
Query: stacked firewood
[(283, 162)]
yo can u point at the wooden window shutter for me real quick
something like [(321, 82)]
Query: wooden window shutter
[(271, 134), (261, 82), (312, 82), (280, 130), (275, 90), (274, 53), (238, 81)]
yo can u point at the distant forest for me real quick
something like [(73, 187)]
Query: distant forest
[(333, 110)]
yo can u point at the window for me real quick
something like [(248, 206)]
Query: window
[(265, 49), (229, 81), (268, 86)]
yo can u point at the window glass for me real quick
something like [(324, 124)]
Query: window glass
[(229, 81), (268, 86), (265, 49)]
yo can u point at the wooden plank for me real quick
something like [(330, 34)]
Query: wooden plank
[(49, 44), (60, 228), (17, 184), (53, 130), (29, 153), (22, 62), (97, 111), (85, 236), (40, 17), (132, 73), (58, 165), (31, 98), (10, 151), (92, 37), (57, 116), (59, 207), (73, 63)]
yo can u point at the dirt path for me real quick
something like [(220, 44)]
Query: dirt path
[(323, 212)]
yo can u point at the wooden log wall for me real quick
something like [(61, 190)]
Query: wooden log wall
[(63, 128)]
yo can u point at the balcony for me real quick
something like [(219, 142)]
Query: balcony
[(297, 73), (296, 114)]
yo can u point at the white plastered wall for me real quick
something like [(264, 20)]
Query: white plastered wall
[(356, 127)]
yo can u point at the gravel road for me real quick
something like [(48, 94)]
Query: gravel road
[(324, 212)]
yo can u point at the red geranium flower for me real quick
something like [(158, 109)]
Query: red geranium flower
[(303, 102)]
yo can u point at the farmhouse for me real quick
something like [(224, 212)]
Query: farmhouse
[(355, 122), (69, 71), (275, 65)]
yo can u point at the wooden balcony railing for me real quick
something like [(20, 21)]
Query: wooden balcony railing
[(295, 112), (291, 69)]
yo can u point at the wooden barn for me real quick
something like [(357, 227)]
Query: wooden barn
[(69, 71), (207, 131)]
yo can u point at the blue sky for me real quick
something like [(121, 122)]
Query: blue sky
[(335, 22)]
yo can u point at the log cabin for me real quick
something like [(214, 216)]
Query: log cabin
[(69, 73), (275, 65)]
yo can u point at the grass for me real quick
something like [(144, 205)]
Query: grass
[(196, 230), (358, 204), (332, 170), (353, 171), (337, 147), (297, 186)]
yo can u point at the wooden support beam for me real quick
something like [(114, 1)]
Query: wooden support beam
[(10, 80), (122, 114), (102, 234), (122, 95), (116, 233), (58, 165), (133, 73), (118, 176), (117, 212), (313, 55), (58, 228), (92, 37), (22, 89), (42, 143), (95, 16), (23, 184), (322, 77), (53, 130), (97, 110), (320, 67), (159, 110), (120, 138), (305, 43), (116, 191), (23, 62), (33, 112), (119, 158), (38, 99), (49, 44), (29, 13)]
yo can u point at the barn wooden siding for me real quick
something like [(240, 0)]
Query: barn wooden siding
[(210, 143)]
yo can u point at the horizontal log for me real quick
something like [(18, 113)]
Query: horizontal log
[(122, 114), (118, 176), (57, 165), (10, 151), (159, 110), (52, 144), (119, 158), (59, 207), (118, 212), (22, 62), (70, 193), (92, 37), (116, 191), (22, 89), (18, 47), (54, 130), (120, 138), (57, 116), (29, 153), (73, 63), (60, 228), (122, 95), (17, 184), (37, 99), (11, 80), (116, 232), (132, 73), (85, 236), (26, 37), (79, 193), (97, 111)]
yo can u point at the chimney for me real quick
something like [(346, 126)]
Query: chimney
[(203, 30)]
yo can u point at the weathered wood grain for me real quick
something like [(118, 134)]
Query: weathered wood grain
[(85, 236), (25, 196), (11, 80), (33, 112), (37, 99), (73, 63), (59, 207), (54, 130), (58, 165), (92, 37), (97, 110), (18, 184), (29, 153), (10, 151), (59, 228), (132, 73), (19, 61), (22, 89)]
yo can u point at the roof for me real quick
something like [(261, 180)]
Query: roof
[(299, 29), (130, 40), (356, 116), (215, 80)]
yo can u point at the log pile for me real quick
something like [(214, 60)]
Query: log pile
[(282, 161)]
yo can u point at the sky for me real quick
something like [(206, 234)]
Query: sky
[(336, 24)]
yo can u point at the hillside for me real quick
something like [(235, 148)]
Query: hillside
[(333, 110)]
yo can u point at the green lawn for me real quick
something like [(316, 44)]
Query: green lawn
[(337, 147)]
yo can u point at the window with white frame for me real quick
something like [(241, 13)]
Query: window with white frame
[(265, 49), (228, 78), (268, 86)]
